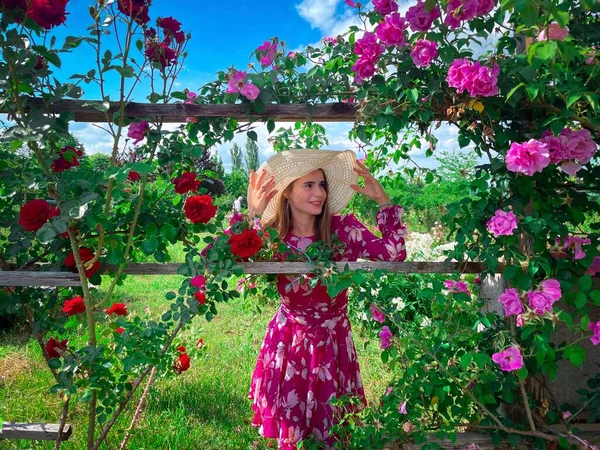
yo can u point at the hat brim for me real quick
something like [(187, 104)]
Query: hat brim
[(290, 165)]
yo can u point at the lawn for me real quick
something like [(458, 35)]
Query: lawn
[(206, 407)]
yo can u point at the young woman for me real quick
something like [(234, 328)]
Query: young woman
[(308, 355)]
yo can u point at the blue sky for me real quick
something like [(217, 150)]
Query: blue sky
[(225, 34)]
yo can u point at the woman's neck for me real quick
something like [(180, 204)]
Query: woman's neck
[(304, 226)]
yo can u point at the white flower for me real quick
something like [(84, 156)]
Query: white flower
[(425, 322), (400, 305)]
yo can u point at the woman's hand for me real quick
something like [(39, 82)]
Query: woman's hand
[(260, 192), (372, 189)]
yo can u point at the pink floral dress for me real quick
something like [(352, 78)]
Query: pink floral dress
[(308, 355)]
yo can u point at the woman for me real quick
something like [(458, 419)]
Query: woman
[(308, 355)]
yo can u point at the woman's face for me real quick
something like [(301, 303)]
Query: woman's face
[(308, 194)]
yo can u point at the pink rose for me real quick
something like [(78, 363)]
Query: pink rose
[(198, 281), (329, 40), (456, 287), (542, 300), (594, 327), (502, 223), (368, 47), (364, 68), (459, 73), (419, 18), (458, 11), (595, 267), (483, 80), (528, 158), (402, 408), (553, 32), (574, 243), (385, 336), (138, 131), (377, 315), (351, 3), (509, 360), (408, 427), (385, 6), (292, 55), (250, 91), (391, 30), (580, 145), (236, 82), (267, 52), (511, 301), (423, 52), (551, 289)]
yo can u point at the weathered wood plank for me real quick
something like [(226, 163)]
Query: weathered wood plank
[(36, 431), (31, 278), (177, 112)]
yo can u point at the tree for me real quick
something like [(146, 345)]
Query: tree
[(236, 158), (252, 161), (218, 165)]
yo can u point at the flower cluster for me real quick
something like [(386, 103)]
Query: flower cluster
[(571, 148), (540, 300), (457, 287), (478, 80), (239, 85), (46, 14), (164, 50)]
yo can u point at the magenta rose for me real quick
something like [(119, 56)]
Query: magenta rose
[(160, 53), (551, 288), (385, 335), (368, 46), (138, 131), (419, 18), (579, 145), (47, 13), (542, 300), (502, 223), (385, 6), (423, 52), (364, 68), (169, 24), (511, 301), (483, 80), (377, 315), (236, 82), (250, 91), (136, 9), (509, 359), (458, 11), (574, 244), (267, 52), (459, 73), (594, 327), (391, 30), (594, 267), (554, 32), (527, 158)]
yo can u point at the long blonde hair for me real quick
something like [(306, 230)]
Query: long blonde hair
[(282, 221)]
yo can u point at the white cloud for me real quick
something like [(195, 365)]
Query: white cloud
[(319, 13)]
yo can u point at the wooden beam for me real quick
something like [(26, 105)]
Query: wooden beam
[(31, 278), (86, 111), (35, 431)]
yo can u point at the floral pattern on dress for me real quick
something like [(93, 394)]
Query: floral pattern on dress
[(308, 355)]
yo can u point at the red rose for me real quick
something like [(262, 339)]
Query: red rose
[(198, 281), (245, 244), (169, 24), (200, 297), (118, 309), (47, 13), (41, 63), (187, 182), (53, 344), (161, 53), (182, 364), (133, 176), (67, 158), (137, 9), (120, 330), (181, 349), (74, 306), (200, 343), (199, 208), (86, 255), (35, 213)]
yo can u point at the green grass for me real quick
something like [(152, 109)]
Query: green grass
[(205, 408)]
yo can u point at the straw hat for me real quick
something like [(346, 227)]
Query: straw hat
[(290, 165)]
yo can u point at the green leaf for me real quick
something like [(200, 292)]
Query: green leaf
[(252, 135), (141, 168), (585, 283), (580, 300), (575, 354), (465, 360), (513, 90), (595, 296), (54, 363), (572, 98), (509, 273), (49, 55), (542, 51), (168, 232)]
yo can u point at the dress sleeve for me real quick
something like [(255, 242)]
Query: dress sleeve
[(361, 243)]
